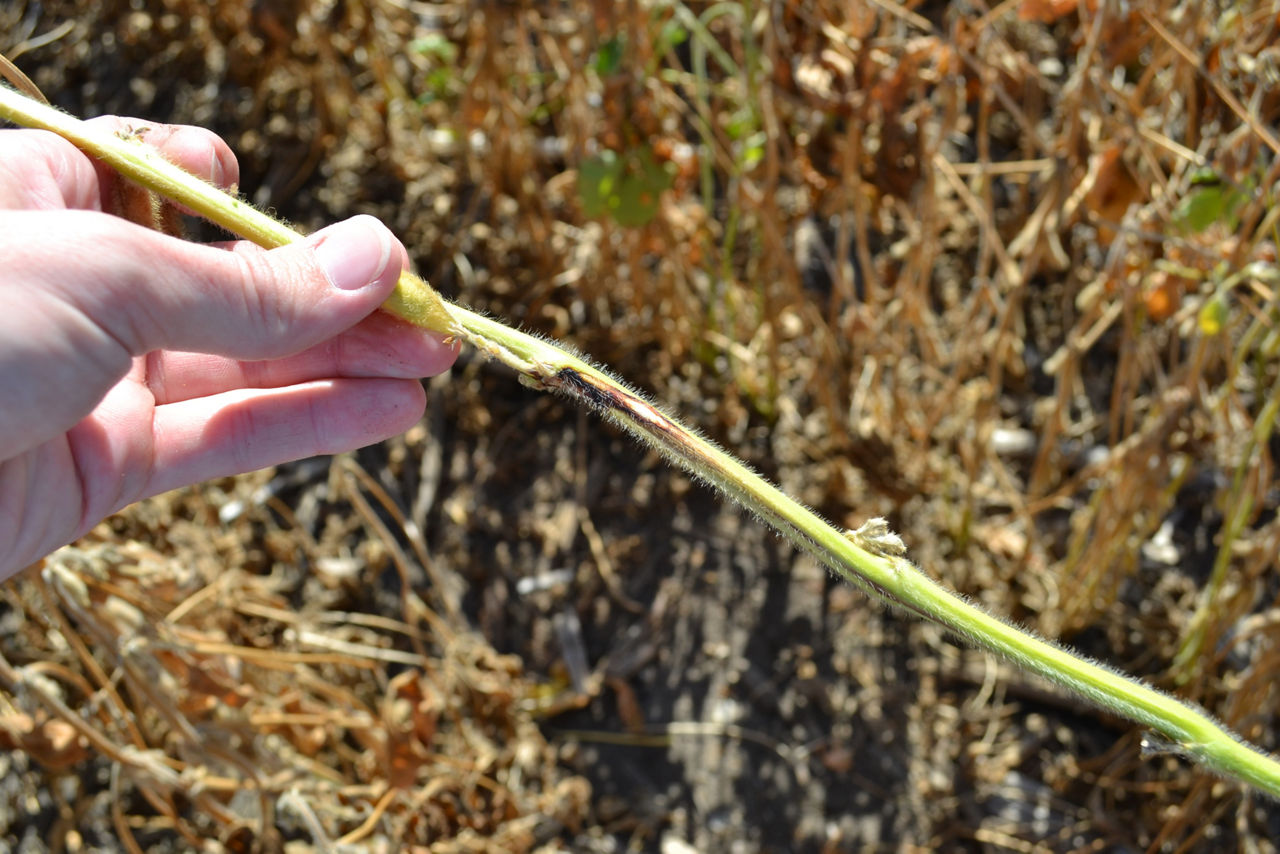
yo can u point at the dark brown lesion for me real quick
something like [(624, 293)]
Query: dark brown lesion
[(612, 399), (576, 385)]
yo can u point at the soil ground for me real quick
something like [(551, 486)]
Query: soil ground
[(932, 262)]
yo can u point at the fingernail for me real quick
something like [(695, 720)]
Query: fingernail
[(353, 254)]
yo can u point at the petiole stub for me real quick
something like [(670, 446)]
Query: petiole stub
[(875, 536)]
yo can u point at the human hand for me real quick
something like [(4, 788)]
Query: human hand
[(132, 362)]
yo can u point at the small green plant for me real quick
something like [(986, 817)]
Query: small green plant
[(626, 187), (871, 557), (609, 56), (1211, 199), (442, 82)]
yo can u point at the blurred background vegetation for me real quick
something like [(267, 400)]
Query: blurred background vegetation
[(1004, 274)]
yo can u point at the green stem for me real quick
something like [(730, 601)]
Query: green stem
[(870, 557)]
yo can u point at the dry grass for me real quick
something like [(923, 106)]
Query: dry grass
[(237, 706), (930, 262)]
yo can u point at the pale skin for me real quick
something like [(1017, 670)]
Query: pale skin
[(132, 362)]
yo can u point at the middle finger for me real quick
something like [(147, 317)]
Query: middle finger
[(378, 346)]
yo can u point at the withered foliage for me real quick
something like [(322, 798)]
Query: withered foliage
[(247, 708)]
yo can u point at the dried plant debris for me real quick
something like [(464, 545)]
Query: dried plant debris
[(229, 713), (1003, 275)]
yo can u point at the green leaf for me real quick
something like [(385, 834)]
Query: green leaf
[(597, 182), (435, 46), (673, 34), (1213, 316), (753, 151), (641, 189), (440, 85), (742, 123), (609, 56), (1200, 208), (1211, 200), (626, 188)]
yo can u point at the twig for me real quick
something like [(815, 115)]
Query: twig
[(371, 822), (1233, 103)]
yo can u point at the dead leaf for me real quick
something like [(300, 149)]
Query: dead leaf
[(1046, 11), (53, 743), (1113, 189)]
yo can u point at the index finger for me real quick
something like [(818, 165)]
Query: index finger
[(194, 149), (40, 170)]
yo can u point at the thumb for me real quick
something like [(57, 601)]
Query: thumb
[(125, 290), (255, 304), (84, 293)]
